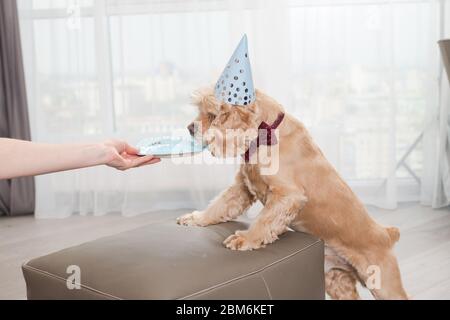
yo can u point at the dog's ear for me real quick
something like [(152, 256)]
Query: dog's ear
[(247, 114), (252, 107), (225, 107), (264, 102), (244, 114)]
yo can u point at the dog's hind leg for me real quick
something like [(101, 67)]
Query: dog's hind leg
[(376, 267), (379, 272), (340, 277), (389, 285), (231, 204), (341, 284)]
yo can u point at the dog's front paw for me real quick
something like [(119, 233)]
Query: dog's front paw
[(240, 241), (194, 219)]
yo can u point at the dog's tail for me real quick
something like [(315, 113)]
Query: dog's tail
[(394, 234)]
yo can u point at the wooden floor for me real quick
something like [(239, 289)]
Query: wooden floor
[(424, 250)]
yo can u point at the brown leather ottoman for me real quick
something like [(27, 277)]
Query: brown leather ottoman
[(166, 261)]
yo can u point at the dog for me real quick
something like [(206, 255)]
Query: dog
[(306, 194)]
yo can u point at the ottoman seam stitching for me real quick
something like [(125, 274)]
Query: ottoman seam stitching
[(267, 287), (250, 273), (56, 277)]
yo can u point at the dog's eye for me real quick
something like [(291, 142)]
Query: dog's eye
[(211, 116)]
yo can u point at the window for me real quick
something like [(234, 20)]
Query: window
[(360, 73)]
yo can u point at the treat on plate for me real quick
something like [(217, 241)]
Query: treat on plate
[(168, 147)]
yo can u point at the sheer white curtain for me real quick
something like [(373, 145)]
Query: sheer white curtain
[(362, 75), (436, 177)]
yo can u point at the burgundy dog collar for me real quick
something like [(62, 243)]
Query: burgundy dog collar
[(266, 137)]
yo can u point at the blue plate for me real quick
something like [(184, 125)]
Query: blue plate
[(169, 147)]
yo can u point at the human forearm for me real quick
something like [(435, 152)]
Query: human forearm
[(22, 158)]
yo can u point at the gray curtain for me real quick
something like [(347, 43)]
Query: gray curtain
[(17, 196)]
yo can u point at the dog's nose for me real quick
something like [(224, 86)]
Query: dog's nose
[(191, 129)]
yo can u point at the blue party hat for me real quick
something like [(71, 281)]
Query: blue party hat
[(235, 86)]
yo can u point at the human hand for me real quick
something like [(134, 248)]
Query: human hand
[(122, 156)]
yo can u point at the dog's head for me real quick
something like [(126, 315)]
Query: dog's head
[(226, 129)]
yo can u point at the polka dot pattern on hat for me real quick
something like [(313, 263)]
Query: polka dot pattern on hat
[(235, 85)]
